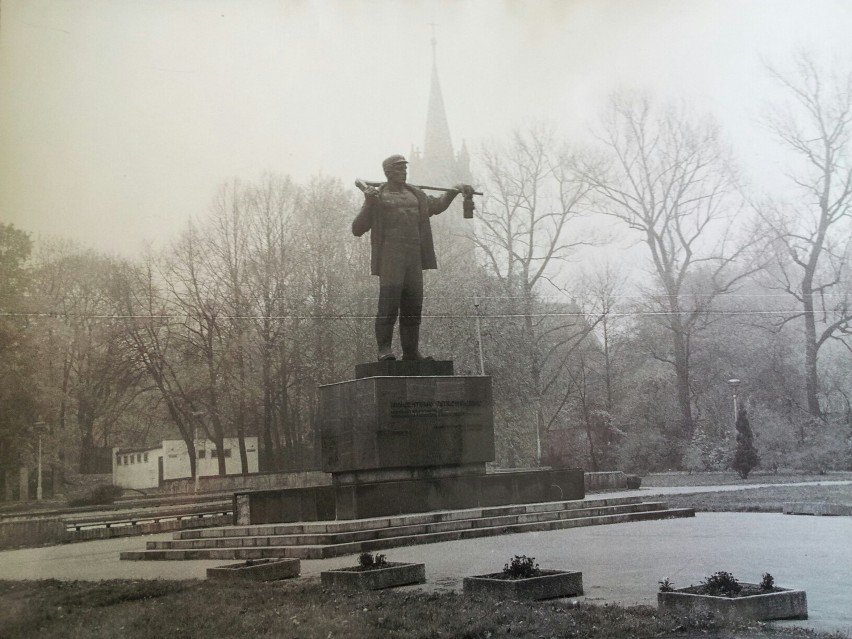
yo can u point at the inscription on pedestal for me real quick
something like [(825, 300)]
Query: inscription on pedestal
[(447, 408)]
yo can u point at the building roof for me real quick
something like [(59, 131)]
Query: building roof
[(127, 451)]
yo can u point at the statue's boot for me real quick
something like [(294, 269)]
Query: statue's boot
[(409, 337), (384, 339)]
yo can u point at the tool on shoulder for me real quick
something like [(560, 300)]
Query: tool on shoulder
[(467, 205)]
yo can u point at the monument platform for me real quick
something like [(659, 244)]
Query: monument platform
[(387, 498), (406, 437), (404, 368)]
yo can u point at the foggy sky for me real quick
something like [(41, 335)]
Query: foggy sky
[(119, 119)]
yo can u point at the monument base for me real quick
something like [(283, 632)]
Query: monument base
[(387, 498), (406, 437)]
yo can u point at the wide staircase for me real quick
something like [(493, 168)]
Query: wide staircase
[(323, 539)]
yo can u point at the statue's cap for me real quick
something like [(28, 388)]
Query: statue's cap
[(394, 159)]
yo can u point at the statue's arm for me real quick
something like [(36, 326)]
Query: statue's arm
[(442, 202), (363, 222), (439, 204)]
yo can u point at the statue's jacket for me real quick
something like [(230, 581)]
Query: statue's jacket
[(371, 216)]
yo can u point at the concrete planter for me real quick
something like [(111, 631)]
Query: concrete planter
[(390, 575), (256, 570), (782, 604), (550, 584)]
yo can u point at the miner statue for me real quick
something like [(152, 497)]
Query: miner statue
[(397, 215)]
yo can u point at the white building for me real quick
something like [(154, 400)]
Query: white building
[(137, 467), (149, 467)]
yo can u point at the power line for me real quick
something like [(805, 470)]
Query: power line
[(796, 312)]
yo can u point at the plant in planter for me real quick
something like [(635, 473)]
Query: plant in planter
[(374, 572), (369, 561), (721, 593), (257, 570), (522, 578), (521, 567)]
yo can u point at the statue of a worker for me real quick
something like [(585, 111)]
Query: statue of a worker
[(397, 215)]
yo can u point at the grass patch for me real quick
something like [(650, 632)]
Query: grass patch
[(657, 480), (768, 499), (186, 609)]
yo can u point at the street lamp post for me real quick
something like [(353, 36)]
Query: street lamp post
[(734, 383), (39, 426), (196, 416), (479, 335), (195, 452)]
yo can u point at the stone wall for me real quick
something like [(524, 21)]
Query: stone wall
[(610, 480), (232, 483), (33, 532)]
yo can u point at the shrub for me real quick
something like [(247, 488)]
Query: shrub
[(745, 458), (521, 567), (666, 585), (103, 494), (705, 452), (768, 582), (721, 584), (633, 482), (644, 451), (368, 560)]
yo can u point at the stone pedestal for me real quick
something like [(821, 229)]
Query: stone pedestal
[(383, 428), (406, 437)]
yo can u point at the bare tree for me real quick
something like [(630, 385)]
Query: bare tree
[(522, 234), (228, 242), (602, 293), (152, 334), (204, 340), (669, 180), (90, 377), (271, 274), (19, 397), (812, 232)]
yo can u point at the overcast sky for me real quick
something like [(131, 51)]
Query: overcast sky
[(119, 119)]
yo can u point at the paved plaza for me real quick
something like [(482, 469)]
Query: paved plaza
[(620, 563)]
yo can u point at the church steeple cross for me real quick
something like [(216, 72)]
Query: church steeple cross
[(433, 41)]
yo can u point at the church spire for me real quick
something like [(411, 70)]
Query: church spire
[(438, 163), (438, 145)]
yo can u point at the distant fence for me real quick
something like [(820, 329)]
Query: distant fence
[(22, 532), (610, 480), (150, 525), (256, 481)]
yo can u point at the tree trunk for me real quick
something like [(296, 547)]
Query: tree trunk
[(268, 452), (811, 376), (680, 352), (241, 412), (683, 394)]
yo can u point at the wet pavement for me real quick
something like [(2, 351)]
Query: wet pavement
[(621, 563)]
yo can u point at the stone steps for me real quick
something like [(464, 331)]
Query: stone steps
[(319, 540), (377, 523), (328, 538)]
